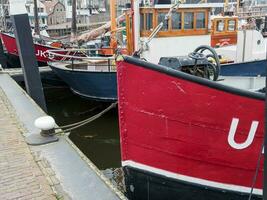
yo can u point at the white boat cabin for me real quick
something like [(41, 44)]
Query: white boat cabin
[(188, 27)]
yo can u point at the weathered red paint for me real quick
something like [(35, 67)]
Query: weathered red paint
[(182, 127), (223, 40)]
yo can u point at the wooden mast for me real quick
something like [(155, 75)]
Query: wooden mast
[(74, 20), (113, 41), (133, 22), (36, 21), (237, 6), (226, 5)]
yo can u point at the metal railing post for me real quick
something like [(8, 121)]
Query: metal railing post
[(109, 65), (72, 64)]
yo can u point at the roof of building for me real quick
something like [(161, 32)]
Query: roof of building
[(50, 5)]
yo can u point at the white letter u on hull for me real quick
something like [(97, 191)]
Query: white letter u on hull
[(251, 134)]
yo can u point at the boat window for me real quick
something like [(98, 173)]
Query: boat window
[(231, 25), (200, 18), (188, 20), (28, 8), (149, 21), (181, 22), (176, 20), (220, 26), (161, 18), (142, 21)]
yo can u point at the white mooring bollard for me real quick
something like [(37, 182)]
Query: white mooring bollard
[(46, 124)]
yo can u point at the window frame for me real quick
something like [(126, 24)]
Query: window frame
[(235, 27), (226, 25), (181, 18), (170, 32), (205, 17)]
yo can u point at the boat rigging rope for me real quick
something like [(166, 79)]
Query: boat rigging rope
[(70, 127), (256, 173)]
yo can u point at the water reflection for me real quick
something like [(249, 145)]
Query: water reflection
[(98, 140)]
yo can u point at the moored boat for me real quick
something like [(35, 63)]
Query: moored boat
[(184, 137), (92, 73), (161, 30), (162, 27), (249, 75), (89, 77), (41, 47)]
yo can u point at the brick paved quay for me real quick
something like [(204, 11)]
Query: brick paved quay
[(20, 176), (57, 170)]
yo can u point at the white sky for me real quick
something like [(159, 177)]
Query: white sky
[(17, 7)]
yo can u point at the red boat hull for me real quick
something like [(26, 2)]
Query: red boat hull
[(40, 50), (189, 129)]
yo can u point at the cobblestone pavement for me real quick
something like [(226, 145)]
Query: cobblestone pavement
[(20, 176)]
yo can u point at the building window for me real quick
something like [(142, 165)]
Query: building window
[(231, 25), (188, 20), (40, 9), (200, 23), (176, 20), (161, 18), (69, 2)]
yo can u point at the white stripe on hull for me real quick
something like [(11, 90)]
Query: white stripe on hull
[(221, 186)]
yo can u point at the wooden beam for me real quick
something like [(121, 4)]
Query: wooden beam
[(113, 42)]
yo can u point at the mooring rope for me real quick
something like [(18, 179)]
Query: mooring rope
[(76, 125), (256, 173)]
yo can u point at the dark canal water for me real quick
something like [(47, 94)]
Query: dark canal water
[(98, 140)]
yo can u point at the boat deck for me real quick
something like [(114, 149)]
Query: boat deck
[(86, 66)]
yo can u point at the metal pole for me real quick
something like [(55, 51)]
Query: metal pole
[(106, 5), (74, 19), (108, 65), (28, 59), (265, 146), (3, 59), (244, 45), (237, 6), (36, 20), (72, 64)]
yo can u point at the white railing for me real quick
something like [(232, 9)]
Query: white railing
[(72, 54), (76, 56)]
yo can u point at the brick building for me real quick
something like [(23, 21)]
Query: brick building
[(56, 12)]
